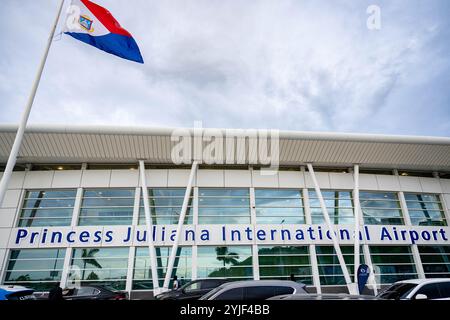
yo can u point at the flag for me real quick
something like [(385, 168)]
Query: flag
[(94, 25)]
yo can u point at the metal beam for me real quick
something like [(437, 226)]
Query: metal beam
[(176, 242), (356, 211), (149, 225), (348, 281)]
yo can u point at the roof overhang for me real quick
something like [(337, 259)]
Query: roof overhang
[(75, 144)]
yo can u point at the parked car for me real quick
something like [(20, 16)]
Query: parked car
[(252, 290), (324, 296), (192, 290), (94, 292), (16, 293), (418, 289)]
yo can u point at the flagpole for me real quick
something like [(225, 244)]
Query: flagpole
[(26, 113)]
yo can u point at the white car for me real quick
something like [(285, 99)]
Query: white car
[(418, 289)]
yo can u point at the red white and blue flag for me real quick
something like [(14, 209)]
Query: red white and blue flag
[(94, 25)]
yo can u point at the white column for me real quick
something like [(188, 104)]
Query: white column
[(66, 267), (315, 268), (130, 272), (173, 252), (350, 286), (76, 207), (356, 213), (306, 207), (136, 207), (195, 247), (149, 225), (414, 248), (255, 262), (372, 279)]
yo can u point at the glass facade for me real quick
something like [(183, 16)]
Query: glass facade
[(165, 206), (339, 206), (107, 266), (223, 206), (234, 262), (425, 209), (47, 208), (279, 206), (392, 263), (435, 261), (380, 208), (330, 271), (283, 262), (107, 207), (42, 268), (39, 269), (142, 275)]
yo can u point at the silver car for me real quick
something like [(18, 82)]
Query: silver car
[(252, 290), (325, 296)]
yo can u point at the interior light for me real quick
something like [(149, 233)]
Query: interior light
[(60, 168), (404, 174)]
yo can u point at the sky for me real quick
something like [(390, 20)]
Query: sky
[(265, 64)]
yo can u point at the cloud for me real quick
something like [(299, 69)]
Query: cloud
[(298, 65)]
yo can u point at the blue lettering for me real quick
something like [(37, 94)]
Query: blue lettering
[(22, 233), (287, 232), (205, 235), (97, 236), (172, 236), (69, 237), (261, 235), (414, 236), (189, 232), (109, 237), (385, 234), (237, 233), (84, 236), (299, 235), (56, 234)]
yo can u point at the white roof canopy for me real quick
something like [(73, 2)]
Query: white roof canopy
[(58, 144)]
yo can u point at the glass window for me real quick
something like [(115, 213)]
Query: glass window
[(278, 262), (339, 205), (233, 262), (425, 209), (265, 292), (430, 290), (435, 261), (444, 289), (277, 206), (165, 206), (47, 208), (392, 263), (232, 294), (182, 268), (107, 207), (381, 208), (223, 206), (39, 269), (330, 271), (104, 266)]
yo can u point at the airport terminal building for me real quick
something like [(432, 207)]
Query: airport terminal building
[(75, 209)]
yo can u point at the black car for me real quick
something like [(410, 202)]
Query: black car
[(94, 292), (192, 290)]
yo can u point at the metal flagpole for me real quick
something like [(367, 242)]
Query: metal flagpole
[(26, 113)]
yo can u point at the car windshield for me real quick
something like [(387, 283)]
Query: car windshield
[(397, 291), (209, 294)]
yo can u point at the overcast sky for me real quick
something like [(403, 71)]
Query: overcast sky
[(291, 65)]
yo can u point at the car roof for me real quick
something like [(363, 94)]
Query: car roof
[(421, 281), (257, 283), (15, 288), (325, 296)]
